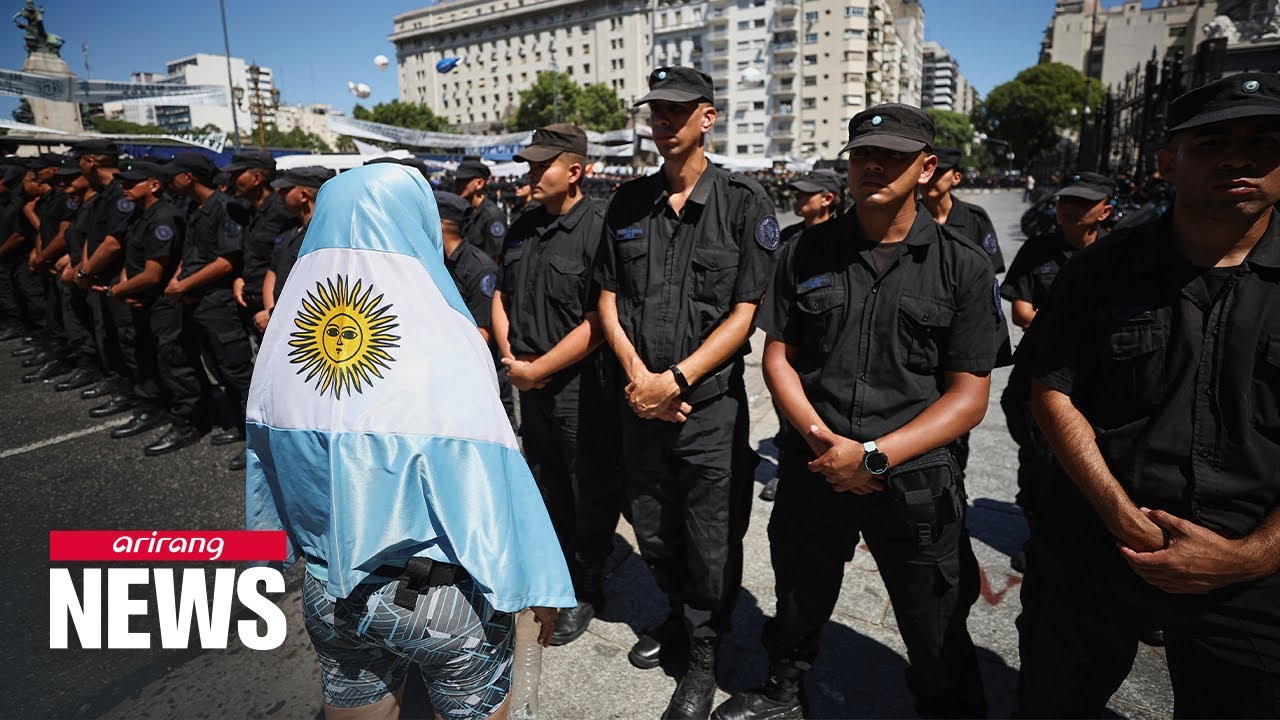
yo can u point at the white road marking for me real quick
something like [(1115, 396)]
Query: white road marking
[(62, 438)]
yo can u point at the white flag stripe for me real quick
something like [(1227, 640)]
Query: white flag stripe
[(462, 396)]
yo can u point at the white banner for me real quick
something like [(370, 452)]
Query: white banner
[(456, 141), (17, 83)]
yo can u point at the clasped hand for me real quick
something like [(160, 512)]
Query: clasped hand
[(656, 396), (840, 461)]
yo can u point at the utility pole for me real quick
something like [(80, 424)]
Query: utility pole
[(226, 47)]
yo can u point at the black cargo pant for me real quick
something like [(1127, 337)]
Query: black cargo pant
[(1083, 610), (178, 370), (216, 320), (138, 350), (77, 317), (1036, 464), (10, 310), (107, 316), (30, 294), (689, 487), (571, 442), (925, 559)]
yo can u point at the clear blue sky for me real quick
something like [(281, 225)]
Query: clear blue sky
[(316, 46)]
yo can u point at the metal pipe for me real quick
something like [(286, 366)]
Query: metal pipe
[(226, 46)]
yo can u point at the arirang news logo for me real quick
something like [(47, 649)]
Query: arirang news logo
[(181, 597)]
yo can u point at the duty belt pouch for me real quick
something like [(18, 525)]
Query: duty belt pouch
[(927, 494), (710, 387), (422, 572)]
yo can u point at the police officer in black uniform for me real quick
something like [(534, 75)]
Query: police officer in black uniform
[(298, 188), (11, 181), (211, 252), (964, 219), (251, 173), (1081, 208), (686, 256), (53, 212), (104, 259), (882, 336), (152, 249), (548, 331), (486, 224), (1157, 382), (475, 273), (77, 315)]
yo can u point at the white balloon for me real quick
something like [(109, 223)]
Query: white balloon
[(382, 61), (360, 90)]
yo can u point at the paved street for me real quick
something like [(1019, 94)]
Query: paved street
[(78, 478)]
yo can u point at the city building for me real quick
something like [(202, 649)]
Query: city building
[(944, 86), (788, 74), (312, 119), (206, 69), (1108, 43)]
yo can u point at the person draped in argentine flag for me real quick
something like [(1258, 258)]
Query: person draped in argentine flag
[(374, 430)]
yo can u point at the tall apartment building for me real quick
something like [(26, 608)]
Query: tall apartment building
[(944, 86), (1107, 43), (788, 73), (909, 23), (201, 69)]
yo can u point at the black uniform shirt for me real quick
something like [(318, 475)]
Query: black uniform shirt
[(211, 234), (486, 228), (77, 234), (678, 277), (54, 209), (972, 222), (154, 234), (874, 346), (791, 232), (111, 213), (285, 254), (267, 222), (1035, 267), (476, 276), (1182, 389), (547, 275)]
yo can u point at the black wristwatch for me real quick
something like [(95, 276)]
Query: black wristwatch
[(108, 292), (875, 461), (81, 274), (680, 378)]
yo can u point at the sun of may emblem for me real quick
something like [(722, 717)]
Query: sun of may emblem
[(342, 336)]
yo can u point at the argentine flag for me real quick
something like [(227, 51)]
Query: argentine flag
[(375, 432)]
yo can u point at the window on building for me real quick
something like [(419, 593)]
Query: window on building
[(808, 125), (810, 80), (811, 37), (757, 149), (757, 127), (744, 24), (809, 103), (850, 33), (743, 127), (810, 59), (811, 16), (744, 149), (757, 105), (759, 23)]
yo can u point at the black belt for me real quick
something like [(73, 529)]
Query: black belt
[(417, 572), (711, 386)]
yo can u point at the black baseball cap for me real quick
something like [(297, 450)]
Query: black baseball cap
[(1250, 94), (423, 169), (903, 128), (552, 140), (198, 164), (680, 85), (12, 176), (1089, 186), (68, 168), (250, 159), (451, 207), (310, 176), (819, 181), (948, 158), (470, 169), (143, 170), (95, 147)]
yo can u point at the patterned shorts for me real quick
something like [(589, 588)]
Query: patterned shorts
[(366, 645)]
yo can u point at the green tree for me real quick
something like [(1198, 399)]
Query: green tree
[(1034, 110), (952, 129), (294, 139), (552, 98), (402, 114), (600, 109)]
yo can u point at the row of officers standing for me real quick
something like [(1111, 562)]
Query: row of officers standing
[(1145, 396), (1145, 399)]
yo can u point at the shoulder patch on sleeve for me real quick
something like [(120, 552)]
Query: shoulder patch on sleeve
[(72, 204), (768, 233), (497, 228), (124, 205), (279, 239), (231, 228), (990, 244), (488, 284), (164, 233)]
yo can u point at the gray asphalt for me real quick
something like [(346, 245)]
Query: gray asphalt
[(87, 481)]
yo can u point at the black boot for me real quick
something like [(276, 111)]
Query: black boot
[(101, 389), (25, 351), (227, 436), (238, 462), (12, 332), (140, 423), (770, 490), (77, 380), (42, 357), (48, 371), (697, 689), (178, 436), (117, 404), (571, 623), (777, 699), (658, 643)]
